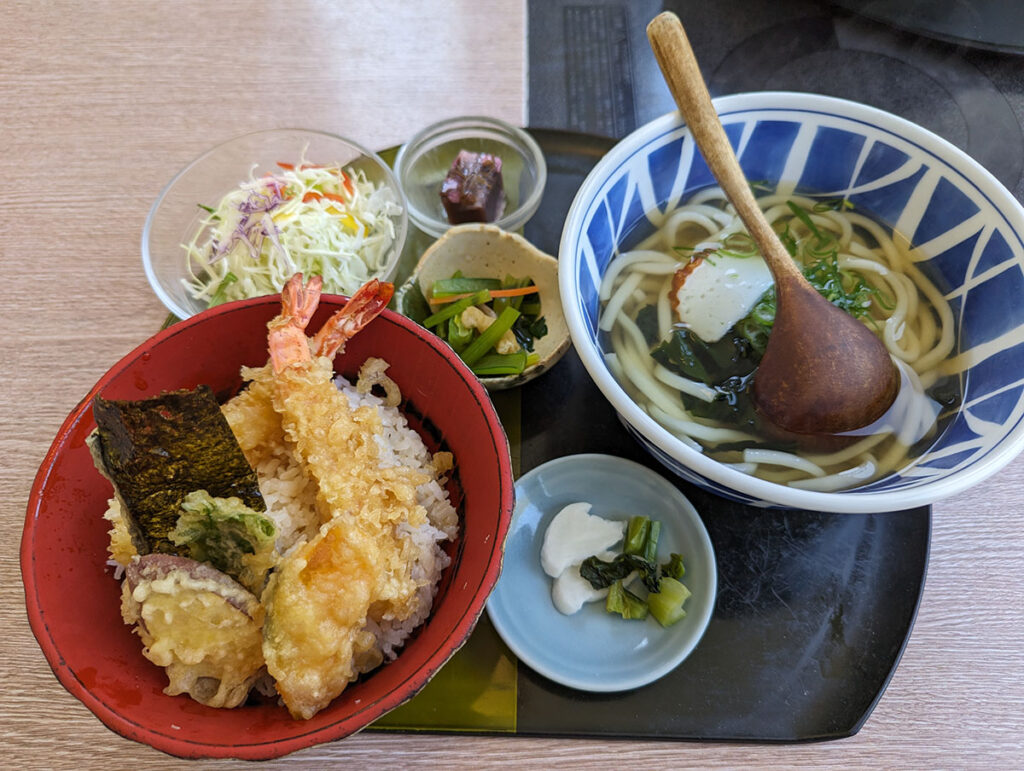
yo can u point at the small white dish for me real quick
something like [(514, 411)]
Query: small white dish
[(594, 650)]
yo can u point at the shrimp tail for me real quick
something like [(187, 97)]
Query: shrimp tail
[(365, 305), (287, 339)]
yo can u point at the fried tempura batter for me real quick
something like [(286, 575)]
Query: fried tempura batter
[(359, 566), (200, 625), (352, 575)]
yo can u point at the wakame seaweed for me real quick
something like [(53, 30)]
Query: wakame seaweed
[(156, 451), (529, 328), (733, 359), (685, 353)]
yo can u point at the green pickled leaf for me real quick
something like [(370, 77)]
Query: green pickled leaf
[(622, 601)]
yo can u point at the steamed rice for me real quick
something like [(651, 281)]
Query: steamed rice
[(290, 496)]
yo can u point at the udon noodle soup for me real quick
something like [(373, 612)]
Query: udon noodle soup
[(686, 315)]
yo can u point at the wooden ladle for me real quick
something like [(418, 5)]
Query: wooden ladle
[(823, 371)]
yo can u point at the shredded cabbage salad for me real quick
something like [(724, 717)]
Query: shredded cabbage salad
[(320, 220)]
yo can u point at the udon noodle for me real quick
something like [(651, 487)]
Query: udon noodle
[(883, 285)]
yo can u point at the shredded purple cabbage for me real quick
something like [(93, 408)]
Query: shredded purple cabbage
[(252, 232)]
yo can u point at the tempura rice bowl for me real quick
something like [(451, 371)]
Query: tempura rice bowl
[(902, 176), (73, 599)]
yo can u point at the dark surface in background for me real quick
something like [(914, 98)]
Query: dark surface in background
[(813, 609), (812, 612), (996, 25), (582, 51)]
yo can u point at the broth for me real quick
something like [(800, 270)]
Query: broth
[(664, 302)]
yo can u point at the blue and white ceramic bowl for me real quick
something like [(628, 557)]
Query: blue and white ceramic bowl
[(967, 223)]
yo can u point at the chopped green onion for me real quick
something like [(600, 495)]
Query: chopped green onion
[(824, 246), (456, 308), (833, 204), (804, 217), (738, 245), (781, 229), (490, 336)]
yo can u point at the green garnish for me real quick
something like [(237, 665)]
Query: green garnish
[(600, 574), (456, 308), (490, 336), (512, 302), (637, 531), (802, 215), (459, 336), (674, 567), (782, 230), (650, 552), (228, 535), (665, 593), (622, 601)]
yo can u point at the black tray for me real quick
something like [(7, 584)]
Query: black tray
[(813, 609)]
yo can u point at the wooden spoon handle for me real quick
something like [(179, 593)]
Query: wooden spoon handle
[(682, 74)]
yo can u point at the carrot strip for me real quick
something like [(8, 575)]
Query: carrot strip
[(312, 195), (517, 292), (346, 182)]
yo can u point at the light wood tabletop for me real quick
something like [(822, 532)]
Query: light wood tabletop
[(102, 102)]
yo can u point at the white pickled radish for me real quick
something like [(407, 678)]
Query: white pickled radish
[(571, 591), (575, 534)]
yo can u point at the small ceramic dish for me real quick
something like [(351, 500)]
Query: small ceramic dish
[(423, 162), (487, 251), (594, 650)]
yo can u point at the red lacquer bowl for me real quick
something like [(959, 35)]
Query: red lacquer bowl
[(73, 600)]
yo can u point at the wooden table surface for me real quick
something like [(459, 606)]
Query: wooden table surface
[(102, 102)]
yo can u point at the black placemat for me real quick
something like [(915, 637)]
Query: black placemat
[(813, 609)]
